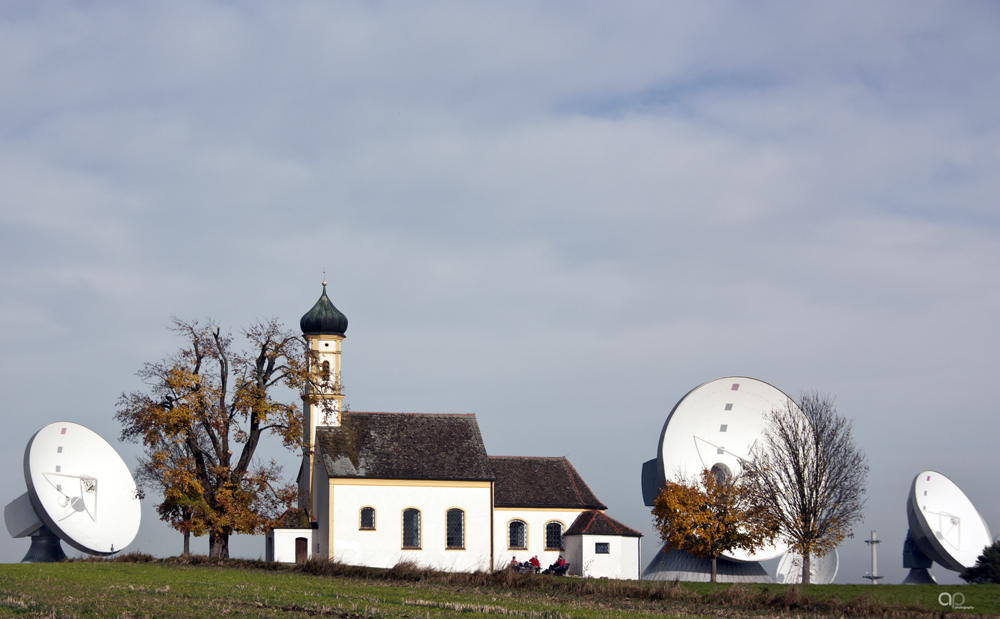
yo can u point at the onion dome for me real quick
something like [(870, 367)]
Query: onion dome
[(324, 318)]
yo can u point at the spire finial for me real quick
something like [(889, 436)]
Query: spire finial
[(324, 279)]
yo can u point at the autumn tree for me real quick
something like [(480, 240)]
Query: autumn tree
[(711, 515), (810, 475), (173, 471), (200, 420)]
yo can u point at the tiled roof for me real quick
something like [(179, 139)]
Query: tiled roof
[(405, 446), (540, 482), (597, 523), (294, 518)]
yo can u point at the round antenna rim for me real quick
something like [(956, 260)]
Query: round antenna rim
[(103, 518), (950, 545)]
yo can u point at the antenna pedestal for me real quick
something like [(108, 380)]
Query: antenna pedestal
[(919, 576), (45, 548)]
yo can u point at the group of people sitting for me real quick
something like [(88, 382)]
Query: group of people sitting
[(532, 566)]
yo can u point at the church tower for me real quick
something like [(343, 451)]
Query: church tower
[(324, 328)]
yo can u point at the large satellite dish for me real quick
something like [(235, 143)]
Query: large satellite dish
[(822, 570), (715, 426), (79, 491), (944, 528)]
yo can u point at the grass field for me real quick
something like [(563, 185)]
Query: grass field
[(201, 588)]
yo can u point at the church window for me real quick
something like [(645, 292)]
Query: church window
[(517, 535), (325, 368), (602, 548), (455, 528), (554, 536), (411, 528), (367, 519)]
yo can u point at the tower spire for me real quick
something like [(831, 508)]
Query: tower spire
[(324, 328)]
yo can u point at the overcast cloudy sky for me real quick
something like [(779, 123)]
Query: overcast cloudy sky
[(559, 216)]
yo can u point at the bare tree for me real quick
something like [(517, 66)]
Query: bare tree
[(811, 476)]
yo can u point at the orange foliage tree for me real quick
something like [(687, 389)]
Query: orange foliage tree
[(201, 404), (711, 515)]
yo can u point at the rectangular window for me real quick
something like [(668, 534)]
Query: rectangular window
[(455, 529), (517, 535), (602, 548), (553, 536), (367, 519), (411, 529)]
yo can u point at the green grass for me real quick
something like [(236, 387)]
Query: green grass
[(203, 588)]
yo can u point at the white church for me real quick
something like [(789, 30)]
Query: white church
[(377, 489)]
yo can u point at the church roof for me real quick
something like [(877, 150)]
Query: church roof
[(294, 518), (540, 482), (323, 318), (597, 523), (405, 446)]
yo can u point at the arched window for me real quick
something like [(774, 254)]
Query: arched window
[(325, 369), (554, 536), (367, 519), (411, 528), (517, 535), (455, 528)]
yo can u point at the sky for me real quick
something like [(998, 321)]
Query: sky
[(558, 216)]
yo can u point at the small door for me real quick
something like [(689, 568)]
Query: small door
[(301, 549)]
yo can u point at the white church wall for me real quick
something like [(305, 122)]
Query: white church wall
[(620, 562), (631, 558), (536, 519), (383, 546), (280, 544)]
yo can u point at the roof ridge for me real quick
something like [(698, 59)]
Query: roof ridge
[(532, 457), (573, 472), (570, 471), (625, 529), (414, 414), (611, 521)]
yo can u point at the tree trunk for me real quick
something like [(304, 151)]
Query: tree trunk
[(218, 545), (187, 543), (713, 569), (806, 569)]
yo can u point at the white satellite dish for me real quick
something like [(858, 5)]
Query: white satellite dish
[(822, 570), (944, 527), (715, 426), (79, 490)]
